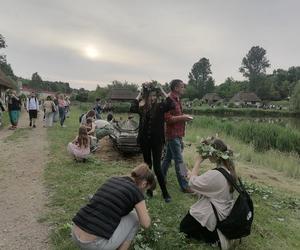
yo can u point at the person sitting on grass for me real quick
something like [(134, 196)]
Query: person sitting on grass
[(80, 146), (114, 214), (212, 187)]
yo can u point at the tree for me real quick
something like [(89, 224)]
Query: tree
[(230, 87), (4, 66), (200, 79), (36, 78), (2, 46), (295, 98), (254, 66)]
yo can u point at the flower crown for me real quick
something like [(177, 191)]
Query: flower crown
[(150, 87), (205, 149)]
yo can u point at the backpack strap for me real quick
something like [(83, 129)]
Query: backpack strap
[(229, 179), (215, 212)]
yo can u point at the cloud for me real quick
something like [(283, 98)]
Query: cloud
[(138, 40)]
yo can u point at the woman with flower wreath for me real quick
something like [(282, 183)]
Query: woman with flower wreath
[(151, 136), (211, 187)]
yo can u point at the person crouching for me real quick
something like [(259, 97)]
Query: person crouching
[(113, 215)]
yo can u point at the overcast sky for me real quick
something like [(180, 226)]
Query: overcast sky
[(90, 42)]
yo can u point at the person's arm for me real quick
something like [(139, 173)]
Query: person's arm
[(27, 104), (143, 214), (195, 170), (169, 118), (93, 129)]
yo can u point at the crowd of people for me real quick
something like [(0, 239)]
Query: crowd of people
[(54, 108), (114, 213)]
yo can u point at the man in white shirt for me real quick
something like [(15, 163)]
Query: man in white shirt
[(32, 108)]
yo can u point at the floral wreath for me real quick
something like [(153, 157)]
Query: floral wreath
[(150, 87), (205, 149)]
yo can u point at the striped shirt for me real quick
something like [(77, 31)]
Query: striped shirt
[(114, 199)]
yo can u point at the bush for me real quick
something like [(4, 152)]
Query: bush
[(121, 107)]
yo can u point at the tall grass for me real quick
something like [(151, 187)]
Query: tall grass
[(263, 137), (253, 112)]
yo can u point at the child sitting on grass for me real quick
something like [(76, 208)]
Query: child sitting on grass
[(80, 146)]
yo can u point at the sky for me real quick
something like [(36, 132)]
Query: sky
[(90, 42)]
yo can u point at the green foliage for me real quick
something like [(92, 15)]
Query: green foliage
[(263, 137), (295, 99), (200, 79), (230, 87), (254, 63), (82, 95), (231, 111), (121, 107)]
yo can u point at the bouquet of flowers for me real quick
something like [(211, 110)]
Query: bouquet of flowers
[(205, 149)]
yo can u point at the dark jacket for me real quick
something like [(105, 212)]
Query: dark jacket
[(152, 125)]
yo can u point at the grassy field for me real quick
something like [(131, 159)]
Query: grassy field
[(276, 224)]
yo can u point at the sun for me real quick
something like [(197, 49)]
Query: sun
[(91, 52)]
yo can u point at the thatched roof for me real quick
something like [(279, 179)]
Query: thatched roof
[(245, 97), (211, 97), (5, 81), (122, 94)]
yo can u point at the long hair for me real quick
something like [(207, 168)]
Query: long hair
[(83, 138), (228, 163), (143, 173)]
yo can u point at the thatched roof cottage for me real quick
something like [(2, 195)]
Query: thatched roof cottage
[(5, 83), (122, 95), (211, 98), (245, 98)]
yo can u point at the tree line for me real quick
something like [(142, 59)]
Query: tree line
[(279, 85)]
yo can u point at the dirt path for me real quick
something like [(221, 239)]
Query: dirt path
[(23, 155)]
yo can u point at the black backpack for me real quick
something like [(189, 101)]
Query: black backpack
[(238, 223)]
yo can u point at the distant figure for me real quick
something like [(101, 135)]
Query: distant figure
[(2, 109), (62, 110), (97, 107), (14, 109), (32, 108), (50, 110), (80, 146)]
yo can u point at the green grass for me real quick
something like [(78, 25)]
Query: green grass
[(287, 163), (276, 224), (5, 120)]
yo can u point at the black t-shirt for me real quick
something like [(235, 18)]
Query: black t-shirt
[(14, 103), (113, 200)]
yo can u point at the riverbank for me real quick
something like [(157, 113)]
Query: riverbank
[(250, 112)]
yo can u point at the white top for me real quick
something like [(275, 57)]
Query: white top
[(32, 103), (213, 187), (101, 123)]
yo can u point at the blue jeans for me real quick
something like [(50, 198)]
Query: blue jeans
[(62, 115), (174, 149)]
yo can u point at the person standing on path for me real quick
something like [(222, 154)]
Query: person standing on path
[(14, 109), (151, 129), (50, 109), (175, 130), (32, 108), (62, 110)]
